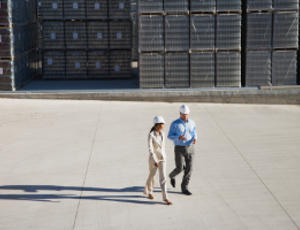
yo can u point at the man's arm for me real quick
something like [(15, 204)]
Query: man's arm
[(195, 137), (173, 135)]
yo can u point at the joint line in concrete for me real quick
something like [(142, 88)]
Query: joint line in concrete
[(87, 167)]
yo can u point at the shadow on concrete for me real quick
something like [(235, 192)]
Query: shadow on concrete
[(137, 199), (36, 188), (54, 197)]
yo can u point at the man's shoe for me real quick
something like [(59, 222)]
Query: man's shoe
[(186, 192), (173, 182)]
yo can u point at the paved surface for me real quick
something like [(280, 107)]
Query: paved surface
[(83, 164)]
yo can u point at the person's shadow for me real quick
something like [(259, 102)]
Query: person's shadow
[(32, 189)]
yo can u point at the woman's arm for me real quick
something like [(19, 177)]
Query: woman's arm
[(151, 151)]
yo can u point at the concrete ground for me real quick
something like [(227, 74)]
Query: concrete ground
[(83, 164)]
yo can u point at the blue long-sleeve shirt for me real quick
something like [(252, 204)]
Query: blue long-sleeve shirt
[(179, 128)]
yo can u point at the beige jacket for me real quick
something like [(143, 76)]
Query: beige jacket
[(156, 145)]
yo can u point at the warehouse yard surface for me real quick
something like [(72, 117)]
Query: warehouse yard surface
[(83, 164)]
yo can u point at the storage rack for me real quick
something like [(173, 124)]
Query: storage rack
[(256, 61), (199, 62), (18, 53), (273, 61), (84, 57)]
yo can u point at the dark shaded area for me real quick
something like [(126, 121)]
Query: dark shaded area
[(243, 43), (36, 188), (33, 189), (64, 85), (52, 197)]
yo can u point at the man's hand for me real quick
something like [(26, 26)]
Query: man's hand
[(194, 141), (182, 138), (156, 164)]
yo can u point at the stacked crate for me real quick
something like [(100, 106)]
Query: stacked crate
[(198, 43), (120, 38), (151, 44), (285, 42), (133, 14), (215, 32), (203, 43), (228, 43), (176, 44), (86, 39), (272, 42), (18, 43), (164, 43)]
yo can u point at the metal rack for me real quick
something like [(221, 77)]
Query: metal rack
[(189, 36), (18, 43), (272, 42), (89, 29)]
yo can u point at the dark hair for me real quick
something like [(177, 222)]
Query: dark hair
[(154, 127)]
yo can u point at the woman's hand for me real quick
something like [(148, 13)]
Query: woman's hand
[(156, 164)]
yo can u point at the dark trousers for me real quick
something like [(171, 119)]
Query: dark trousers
[(186, 153)]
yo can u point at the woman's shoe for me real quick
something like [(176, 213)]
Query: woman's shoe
[(150, 196), (168, 202)]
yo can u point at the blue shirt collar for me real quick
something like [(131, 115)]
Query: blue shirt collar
[(183, 120)]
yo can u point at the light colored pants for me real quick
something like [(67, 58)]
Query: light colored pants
[(162, 178)]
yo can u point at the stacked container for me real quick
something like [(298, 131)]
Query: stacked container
[(228, 43), (18, 43), (215, 35), (198, 43), (86, 39), (151, 44), (203, 43), (133, 15), (272, 42), (164, 43)]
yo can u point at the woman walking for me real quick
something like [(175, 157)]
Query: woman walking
[(157, 159)]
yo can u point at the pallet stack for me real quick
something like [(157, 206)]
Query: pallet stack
[(134, 30), (85, 39), (272, 42), (189, 43), (163, 43), (18, 43), (228, 43), (215, 43)]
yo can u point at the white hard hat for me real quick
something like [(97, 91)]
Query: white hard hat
[(184, 109), (159, 120)]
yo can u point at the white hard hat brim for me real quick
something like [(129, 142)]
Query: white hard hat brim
[(159, 120), (184, 109)]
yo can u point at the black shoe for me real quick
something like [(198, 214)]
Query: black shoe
[(186, 192), (173, 182)]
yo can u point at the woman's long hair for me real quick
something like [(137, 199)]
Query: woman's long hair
[(154, 127)]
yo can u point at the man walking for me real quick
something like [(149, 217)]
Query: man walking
[(183, 133)]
